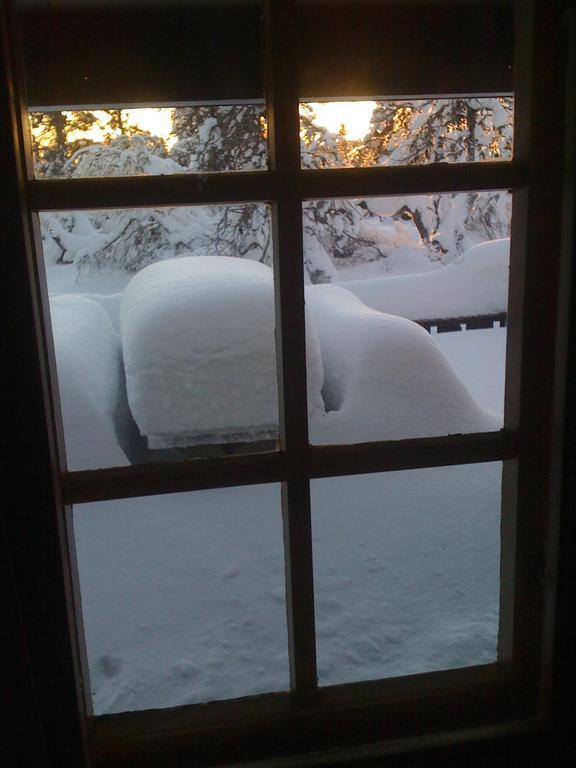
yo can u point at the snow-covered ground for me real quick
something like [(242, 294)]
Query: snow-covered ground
[(183, 595)]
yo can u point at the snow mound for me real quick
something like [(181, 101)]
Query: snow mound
[(384, 377), (475, 285), (199, 352), (88, 362)]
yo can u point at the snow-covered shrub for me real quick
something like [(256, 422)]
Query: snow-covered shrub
[(199, 352), (335, 227), (88, 361), (123, 156)]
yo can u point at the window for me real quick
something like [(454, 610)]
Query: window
[(368, 705)]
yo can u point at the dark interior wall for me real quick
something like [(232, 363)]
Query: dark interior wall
[(133, 55), (22, 728)]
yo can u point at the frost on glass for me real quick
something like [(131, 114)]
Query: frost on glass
[(134, 142), (413, 131), (163, 325), (406, 571), (409, 299), (183, 597)]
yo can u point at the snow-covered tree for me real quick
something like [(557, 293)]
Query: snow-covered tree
[(233, 138), (220, 138), (468, 129), (455, 130), (333, 228)]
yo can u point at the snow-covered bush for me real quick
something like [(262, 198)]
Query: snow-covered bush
[(88, 361), (199, 352), (123, 156)]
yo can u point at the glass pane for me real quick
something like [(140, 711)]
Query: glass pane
[(406, 571), (357, 134), (163, 324), (133, 142), (398, 288), (183, 597)]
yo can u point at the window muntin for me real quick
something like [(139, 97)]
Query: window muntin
[(183, 597)]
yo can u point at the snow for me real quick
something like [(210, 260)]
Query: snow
[(475, 285), (406, 568), (384, 377), (184, 600), (478, 358), (199, 352), (183, 595), (88, 363)]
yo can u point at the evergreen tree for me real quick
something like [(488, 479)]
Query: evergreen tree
[(233, 138), (220, 138)]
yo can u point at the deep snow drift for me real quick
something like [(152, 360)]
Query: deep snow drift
[(199, 352), (384, 377), (183, 596), (477, 284), (88, 360)]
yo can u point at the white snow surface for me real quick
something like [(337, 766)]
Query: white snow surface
[(477, 284), (184, 598), (478, 358), (88, 362), (384, 377), (199, 351), (406, 571)]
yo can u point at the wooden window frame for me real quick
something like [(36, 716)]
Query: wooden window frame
[(506, 696)]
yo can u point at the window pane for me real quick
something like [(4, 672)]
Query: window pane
[(406, 571), (164, 338), (183, 597), (407, 299), (133, 142), (357, 134)]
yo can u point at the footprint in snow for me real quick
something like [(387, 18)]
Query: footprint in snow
[(110, 666)]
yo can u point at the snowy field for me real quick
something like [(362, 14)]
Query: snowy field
[(183, 595)]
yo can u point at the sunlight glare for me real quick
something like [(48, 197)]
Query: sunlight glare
[(353, 115), (157, 122)]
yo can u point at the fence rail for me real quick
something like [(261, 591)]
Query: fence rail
[(472, 323)]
